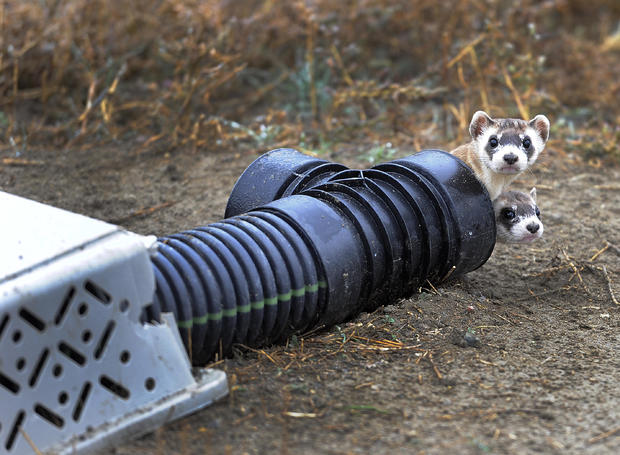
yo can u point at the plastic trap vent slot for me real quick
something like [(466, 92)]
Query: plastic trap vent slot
[(78, 370)]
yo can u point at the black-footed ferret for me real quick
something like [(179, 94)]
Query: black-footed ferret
[(517, 217), (502, 148)]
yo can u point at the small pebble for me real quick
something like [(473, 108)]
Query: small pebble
[(464, 338), (471, 339)]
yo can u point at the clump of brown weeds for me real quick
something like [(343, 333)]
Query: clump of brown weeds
[(209, 73)]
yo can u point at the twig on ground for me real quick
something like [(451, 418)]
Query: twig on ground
[(435, 369), (576, 270), (433, 287), (611, 291), (547, 271), (604, 435), (447, 275), (599, 252), (21, 162), (300, 415), (260, 351), (312, 331), (521, 316), (364, 384), (422, 357), (607, 187), (505, 319)]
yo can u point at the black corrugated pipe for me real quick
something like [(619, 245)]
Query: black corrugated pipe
[(319, 243)]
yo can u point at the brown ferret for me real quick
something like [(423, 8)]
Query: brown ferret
[(502, 148)]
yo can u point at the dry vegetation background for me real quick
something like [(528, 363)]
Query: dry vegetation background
[(211, 75)]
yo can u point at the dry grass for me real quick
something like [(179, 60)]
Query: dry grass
[(208, 74)]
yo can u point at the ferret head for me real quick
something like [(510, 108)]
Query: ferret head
[(517, 217), (508, 146)]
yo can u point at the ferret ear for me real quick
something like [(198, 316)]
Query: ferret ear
[(479, 122), (541, 124), (533, 194)]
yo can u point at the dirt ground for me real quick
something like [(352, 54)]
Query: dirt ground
[(541, 373)]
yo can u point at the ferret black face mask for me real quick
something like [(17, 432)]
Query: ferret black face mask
[(508, 146), (502, 148), (517, 217)]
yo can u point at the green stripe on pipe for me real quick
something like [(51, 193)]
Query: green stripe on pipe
[(246, 308), (204, 319), (251, 306), (299, 292)]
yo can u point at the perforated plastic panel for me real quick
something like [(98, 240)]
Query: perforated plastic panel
[(77, 368)]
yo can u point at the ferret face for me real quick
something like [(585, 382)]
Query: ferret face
[(517, 217), (508, 146)]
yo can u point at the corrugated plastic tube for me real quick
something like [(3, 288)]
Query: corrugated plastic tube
[(307, 242)]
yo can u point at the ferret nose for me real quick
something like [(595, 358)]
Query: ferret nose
[(511, 158), (533, 227)]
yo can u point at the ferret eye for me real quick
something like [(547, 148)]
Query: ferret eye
[(537, 212), (509, 214), (493, 142), (527, 143)]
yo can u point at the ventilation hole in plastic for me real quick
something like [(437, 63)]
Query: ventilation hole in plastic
[(49, 415), (64, 306), (125, 356), (72, 353), (9, 384), (103, 342), (86, 336), (81, 402), (17, 335), (20, 364), (31, 319), (3, 323), (124, 305), (116, 388), (97, 292), (83, 309), (149, 384), (38, 367), (63, 397), (57, 370), (13, 433)]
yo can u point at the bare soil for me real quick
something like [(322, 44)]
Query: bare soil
[(540, 374)]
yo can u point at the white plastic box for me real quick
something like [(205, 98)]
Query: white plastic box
[(78, 370)]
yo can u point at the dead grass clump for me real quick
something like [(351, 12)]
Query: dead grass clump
[(182, 72)]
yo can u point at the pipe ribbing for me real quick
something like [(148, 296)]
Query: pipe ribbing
[(337, 242)]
